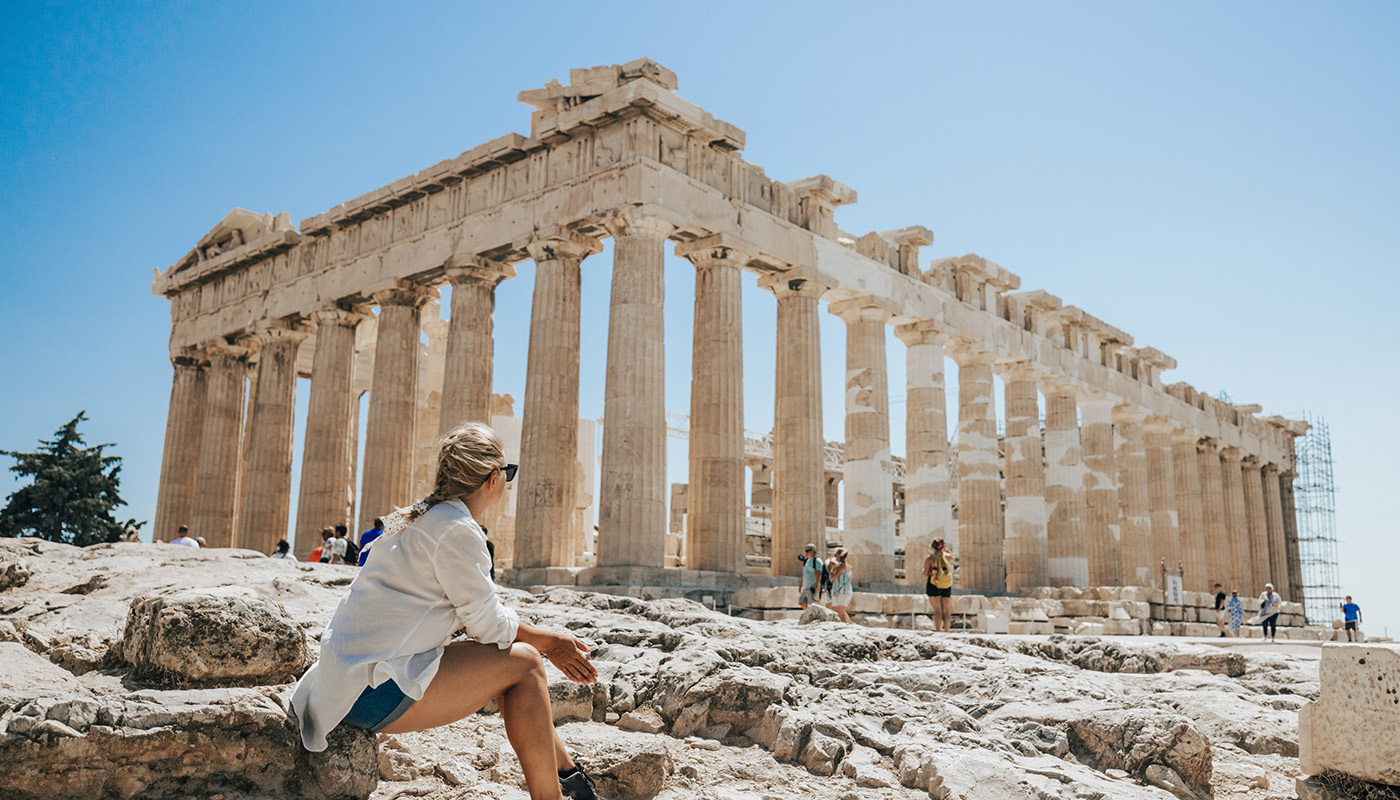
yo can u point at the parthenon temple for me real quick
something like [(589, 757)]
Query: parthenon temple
[(1104, 475)]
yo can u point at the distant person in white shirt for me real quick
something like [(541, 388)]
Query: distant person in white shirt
[(284, 550), (387, 664), (184, 539)]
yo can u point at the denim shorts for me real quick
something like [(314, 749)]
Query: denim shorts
[(378, 707)]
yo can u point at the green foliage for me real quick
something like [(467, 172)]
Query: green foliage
[(72, 495)]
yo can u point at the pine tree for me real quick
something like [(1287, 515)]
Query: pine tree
[(72, 495)]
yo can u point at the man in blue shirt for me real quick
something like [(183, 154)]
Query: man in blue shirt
[(1351, 613), (369, 536), (811, 577)]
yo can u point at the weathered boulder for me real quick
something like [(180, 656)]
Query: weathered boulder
[(1221, 662), (816, 613), (1134, 739), (739, 696), (626, 766), (13, 571), (226, 637), (1360, 696)]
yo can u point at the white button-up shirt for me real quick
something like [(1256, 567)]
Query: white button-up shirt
[(423, 583)]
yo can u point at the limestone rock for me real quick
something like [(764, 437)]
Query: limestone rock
[(1133, 739), (816, 613), (1221, 662), (13, 571), (626, 766), (644, 719), (1360, 696)]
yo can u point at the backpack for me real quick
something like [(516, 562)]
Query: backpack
[(825, 585), (352, 553)]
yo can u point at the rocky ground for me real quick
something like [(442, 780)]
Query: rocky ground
[(156, 671)]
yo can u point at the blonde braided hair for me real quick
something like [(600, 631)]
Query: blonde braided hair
[(466, 458)]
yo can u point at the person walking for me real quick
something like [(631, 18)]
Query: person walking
[(811, 577), (938, 585), (1269, 606), (1220, 609), (184, 539), (1234, 608), (1351, 617), (841, 591), (367, 538), (284, 550)]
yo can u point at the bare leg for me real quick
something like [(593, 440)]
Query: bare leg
[(562, 760), (470, 675), (841, 612), (945, 617)]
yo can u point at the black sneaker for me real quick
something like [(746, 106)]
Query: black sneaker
[(576, 785)]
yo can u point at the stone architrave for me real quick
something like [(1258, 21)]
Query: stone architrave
[(179, 473), (325, 459), (466, 380), (1278, 543), (1064, 487), (1027, 542), (220, 442), (928, 481), (267, 477), (1130, 457), (1191, 529), (632, 491), (869, 471), (799, 503), (1257, 523), (1102, 532), (980, 527), (1236, 521), (1161, 498), (387, 478), (1219, 565), (549, 426), (715, 533)]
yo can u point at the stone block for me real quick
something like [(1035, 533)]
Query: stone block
[(745, 598), (1138, 609), (1358, 698), (992, 622), (1175, 613), (1155, 595), (1161, 629), (1205, 615), (1089, 629), (1024, 627), (1077, 608), (1109, 592), (1117, 610), (782, 597), (1122, 627), (777, 614), (1042, 593), (1134, 594), (1291, 608), (967, 603), (1062, 623), (1052, 608), (871, 620), (1072, 593), (1156, 611), (905, 604)]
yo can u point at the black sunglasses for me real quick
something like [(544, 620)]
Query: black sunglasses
[(509, 470)]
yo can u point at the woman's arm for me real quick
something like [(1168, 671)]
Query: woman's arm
[(563, 651)]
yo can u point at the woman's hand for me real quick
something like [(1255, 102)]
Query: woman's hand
[(565, 652)]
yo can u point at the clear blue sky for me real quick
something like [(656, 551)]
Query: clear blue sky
[(1217, 179)]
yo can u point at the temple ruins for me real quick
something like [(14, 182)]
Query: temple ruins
[(1104, 475)]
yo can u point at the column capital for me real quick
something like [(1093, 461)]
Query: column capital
[(1129, 412), (925, 331), (972, 353), (1231, 453), (405, 293), (562, 246), (189, 356), (221, 349), (1156, 423), (1059, 385), (719, 249), (794, 281), (1207, 445), (1018, 369), (335, 315), (475, 269), (1184, 436), (637, 220), (859, 309), (1272, 469), (269, 331), (1251, 462)]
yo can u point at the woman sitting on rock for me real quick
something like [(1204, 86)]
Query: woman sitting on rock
[(385, 662)]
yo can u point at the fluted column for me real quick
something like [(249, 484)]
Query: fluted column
[(1101, 515), (1130, 458), (1191, 532), (981, 535), (1161, 498), (1236, 521), (1219, 568), (466, 377), (184, 424), (928, 482), (1290, 536), (869, 507), (267, 477), (1064, 488), (632, 491), (799, 503), (387, 479), (716, 501), (549, 427), (1256, 519), (221, 438), (1027, 543), (324, 497), (1278, 543)]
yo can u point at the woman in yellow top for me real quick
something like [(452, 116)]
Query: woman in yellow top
[(938, 576)]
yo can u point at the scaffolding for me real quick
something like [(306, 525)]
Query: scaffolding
[(1314, 503)]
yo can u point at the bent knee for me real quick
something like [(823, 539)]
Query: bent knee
[(526, 658)]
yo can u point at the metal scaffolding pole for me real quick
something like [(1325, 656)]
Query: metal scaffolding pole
[(1314, 499)]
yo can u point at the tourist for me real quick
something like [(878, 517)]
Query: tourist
[(811, 577), (1220, 609), (938, 580), (1351, 617), (383, 664), (352, 551), (840, 583), (1234, 608), (367, 538), (1269, 606), (184, 539), (283, 550), (332, 549)]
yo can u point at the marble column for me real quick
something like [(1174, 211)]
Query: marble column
[(549, 427), (799, 503), (1290, 536), (1191, 530), (1219, 568), (928, 483), (466, 379), (981, 535), (716, 530), (1102, 532), (1256, 518), (632, 492), (1236, 522), (1064, 487), (1161, 499), (325, 457), (267, 477), (386, 482), (1027, 542), (176, 498), (869, 525), (220, 442), (1278, 543), (1130, 457)]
